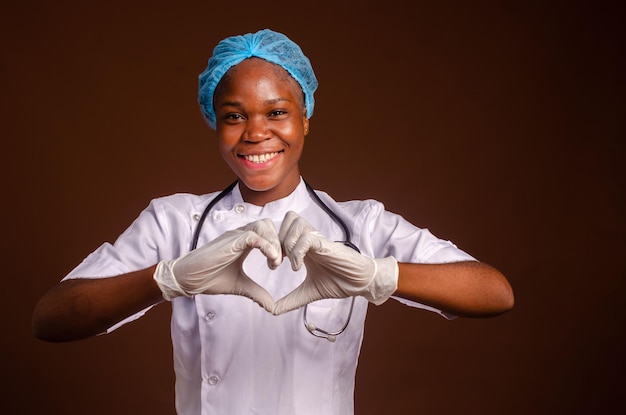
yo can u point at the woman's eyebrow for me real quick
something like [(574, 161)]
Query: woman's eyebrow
[(238, 104), (276, 100), (231, 104)]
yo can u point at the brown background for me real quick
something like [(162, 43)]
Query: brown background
[(498, 125)]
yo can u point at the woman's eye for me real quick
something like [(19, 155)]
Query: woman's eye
[(233, 117), (278, 113)]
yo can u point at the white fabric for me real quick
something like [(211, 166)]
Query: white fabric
[(230, 355)]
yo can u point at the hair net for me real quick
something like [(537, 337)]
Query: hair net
[(265, 44)]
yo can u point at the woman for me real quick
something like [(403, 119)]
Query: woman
[(268, 241)]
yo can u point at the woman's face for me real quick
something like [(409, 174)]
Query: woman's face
[(261, 124)]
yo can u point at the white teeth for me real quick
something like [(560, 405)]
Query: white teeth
[(262, 158)]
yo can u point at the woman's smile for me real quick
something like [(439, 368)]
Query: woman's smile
[(256, 161), (259, 158)]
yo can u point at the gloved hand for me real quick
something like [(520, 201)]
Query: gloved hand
[(334, 270), (217, 267)]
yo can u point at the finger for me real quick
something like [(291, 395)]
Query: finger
[(253, 240), (249, 240), (258, 294), (292, 228), (266, 229), (289, 218), (309, 244), (299, 297)]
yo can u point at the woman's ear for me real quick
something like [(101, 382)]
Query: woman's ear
[(305, 124)]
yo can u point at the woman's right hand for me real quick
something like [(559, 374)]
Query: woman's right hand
[(217, 267)]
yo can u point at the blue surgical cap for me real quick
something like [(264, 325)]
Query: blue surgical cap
[(265, 44)]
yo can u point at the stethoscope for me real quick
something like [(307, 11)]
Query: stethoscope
[(311, 328)]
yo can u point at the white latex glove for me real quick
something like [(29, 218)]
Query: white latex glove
[(334, 270), (217, 267)]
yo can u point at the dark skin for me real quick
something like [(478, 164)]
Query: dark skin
[(259, 111), (80, 308)]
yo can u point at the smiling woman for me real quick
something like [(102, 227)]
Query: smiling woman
[(261, 123), (269, 240)]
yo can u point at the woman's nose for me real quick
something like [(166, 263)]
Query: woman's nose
[(257, 129)]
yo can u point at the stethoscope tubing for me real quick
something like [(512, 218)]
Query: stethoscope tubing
[(311, 328)]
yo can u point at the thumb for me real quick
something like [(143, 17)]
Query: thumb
[(299, 297), (258, 294)]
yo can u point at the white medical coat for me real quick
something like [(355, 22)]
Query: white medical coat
[(230, 355)]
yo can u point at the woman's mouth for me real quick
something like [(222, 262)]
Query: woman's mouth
[(259, 158)]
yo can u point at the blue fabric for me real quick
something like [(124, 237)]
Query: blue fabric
[(265, 44)]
